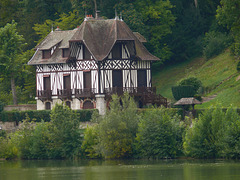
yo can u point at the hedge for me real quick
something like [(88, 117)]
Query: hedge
[(17, 116), (183, 92)]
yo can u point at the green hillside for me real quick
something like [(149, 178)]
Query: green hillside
[(218, 75)]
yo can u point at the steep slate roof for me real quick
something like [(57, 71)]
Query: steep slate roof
[(53, 38), (98, 35)]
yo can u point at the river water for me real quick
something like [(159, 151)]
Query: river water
[(120, 170)]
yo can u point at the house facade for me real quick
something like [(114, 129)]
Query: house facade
[(83, 67)]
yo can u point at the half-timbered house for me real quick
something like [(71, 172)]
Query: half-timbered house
[(83, 67)]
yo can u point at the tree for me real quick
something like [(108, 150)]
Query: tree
[(158, 20), (117, 129), (228, 14), (11, 44), (65, 22)]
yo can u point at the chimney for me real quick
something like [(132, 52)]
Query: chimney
[(97, 15)]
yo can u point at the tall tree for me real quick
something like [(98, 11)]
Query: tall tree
[(11, 44), (228, 13)]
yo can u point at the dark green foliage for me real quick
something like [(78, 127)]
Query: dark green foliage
[(183, 92), (90, 143), (65, 133), (215, 43), (117, 130), (17, 116), (238, 66), (214, 134), (191, 81), (159, 134), (1, 106)]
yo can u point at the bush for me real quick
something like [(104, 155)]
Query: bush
[(191, 81), (215, 43), (117, 129), (90, 143), (159, 134), (214, 134), (65, 133), (182, 92)]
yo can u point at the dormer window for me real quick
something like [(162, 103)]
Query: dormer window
[(65, 52), (46, 54), (117, 51)]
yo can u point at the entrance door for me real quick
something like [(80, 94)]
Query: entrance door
[(142, 78)]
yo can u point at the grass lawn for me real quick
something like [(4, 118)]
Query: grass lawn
[(218, 74)]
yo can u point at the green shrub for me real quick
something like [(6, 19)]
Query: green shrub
[(215, 43), (207, 137), (182, 92), (191, 81), (90, 143), (232, 134), (117, 129), (65, 133), (159, 134)]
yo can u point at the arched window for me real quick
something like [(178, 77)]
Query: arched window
[(48, 106), (68, 103), (88, 105)]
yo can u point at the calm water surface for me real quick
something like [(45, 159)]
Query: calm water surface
[(137, 169)]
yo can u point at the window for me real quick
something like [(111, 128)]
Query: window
[(117, 51), (46, 54), (65, 52), (48, 106)]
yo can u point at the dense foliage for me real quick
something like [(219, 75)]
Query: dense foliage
[(18, 116), (60, 138), (215, 134), (159, 134), (187, 87), (117, 130)]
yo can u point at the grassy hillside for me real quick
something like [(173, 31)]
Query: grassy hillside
[(219, 75)]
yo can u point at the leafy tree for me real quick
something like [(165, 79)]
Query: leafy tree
[(117, 129), (159, 134), (158, 20), (11, 44), (228, 14), (65, 22), (65, 133), (214, 134)]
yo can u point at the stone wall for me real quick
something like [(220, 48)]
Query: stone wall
[(23, 107)]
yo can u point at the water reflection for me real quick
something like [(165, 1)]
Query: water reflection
[(127, 169)]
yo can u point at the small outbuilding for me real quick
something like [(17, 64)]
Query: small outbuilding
[(187, 101)]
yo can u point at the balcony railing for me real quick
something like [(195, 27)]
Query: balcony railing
[(146, 94), (44, 95), (134, 91), (85, 93), (64, 93)]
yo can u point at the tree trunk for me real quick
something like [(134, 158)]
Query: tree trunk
[(14, 93)]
